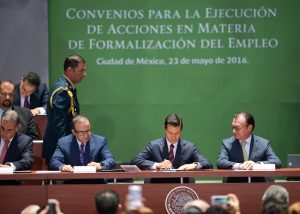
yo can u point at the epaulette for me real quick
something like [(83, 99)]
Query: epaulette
[(70, 94)]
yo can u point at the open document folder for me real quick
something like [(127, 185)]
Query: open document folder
[(130, 168)]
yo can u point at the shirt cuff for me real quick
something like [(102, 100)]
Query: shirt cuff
[(153, 166), (236, 166), (42, 110), (199, 166), (11, 165)]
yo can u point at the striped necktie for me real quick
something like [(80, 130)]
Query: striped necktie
[(171, 153)]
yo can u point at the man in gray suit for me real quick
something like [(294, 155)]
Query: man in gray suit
[(244, 149)]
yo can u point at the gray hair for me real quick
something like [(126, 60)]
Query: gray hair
[(78, 119), (276, 194), (11, 115)]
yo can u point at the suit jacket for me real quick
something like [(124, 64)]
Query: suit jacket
[(260, 151), (20, 152), (37, 99), (27, 121), (59, 117), (67, 152), (157, 151)]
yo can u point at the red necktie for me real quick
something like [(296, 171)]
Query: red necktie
[(4, 150), (171, 153), (26, 102)]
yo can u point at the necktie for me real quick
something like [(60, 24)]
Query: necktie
[(245, 155), (4, 150), (82, 154), (26, 102), (171, 153)]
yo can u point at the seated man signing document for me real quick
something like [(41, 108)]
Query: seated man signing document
[(171, 151), (81, 148), (244, 149)]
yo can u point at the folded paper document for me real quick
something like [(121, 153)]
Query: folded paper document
[(6, 170), (84, 169), (264, 167)]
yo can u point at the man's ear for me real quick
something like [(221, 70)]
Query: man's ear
[(73, 132), (250, 127)]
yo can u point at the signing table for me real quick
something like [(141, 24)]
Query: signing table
[(39, 186)]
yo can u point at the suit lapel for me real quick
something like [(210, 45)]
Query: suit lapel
[(74, 152), (164, 149), (177, 159), (91, 151), (253, 148), (33, 99), (237, 151)]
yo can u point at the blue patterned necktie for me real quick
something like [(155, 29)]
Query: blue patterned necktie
[(82, 154)]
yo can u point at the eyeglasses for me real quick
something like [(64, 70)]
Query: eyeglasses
[(237, 128), (82, 133)]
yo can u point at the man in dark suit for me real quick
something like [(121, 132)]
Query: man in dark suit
[(171, 151), (62, 103), (244, 149), (28, 125), (16, 148), (31, 93), (82, 148)]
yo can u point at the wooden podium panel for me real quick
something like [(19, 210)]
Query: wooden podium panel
[(15, 198), (81, 198), (41, 124)]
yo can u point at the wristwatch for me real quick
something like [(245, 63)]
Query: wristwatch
[(196, 164), (102, 165)]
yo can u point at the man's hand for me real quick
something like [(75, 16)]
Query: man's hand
[(57, 208), (191, 166), (166, 164), (97, 165), (233, 204), (141, 210), (247, 165), (5, 165), (67, 168), (35, 111)]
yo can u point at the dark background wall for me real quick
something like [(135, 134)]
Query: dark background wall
[(23, 38)]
